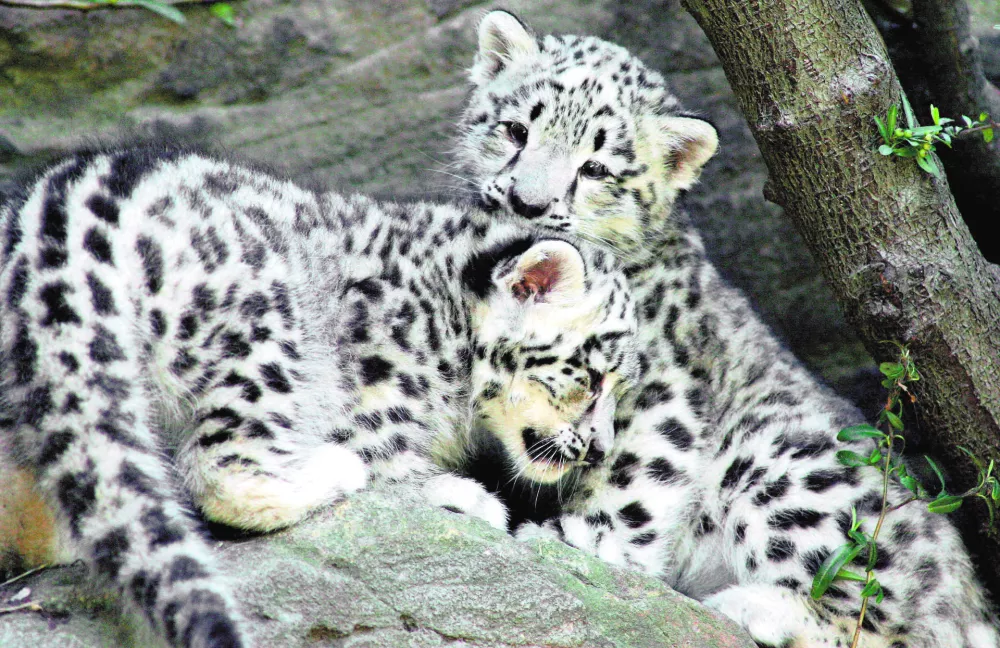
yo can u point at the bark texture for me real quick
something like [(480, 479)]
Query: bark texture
[(809, 76)]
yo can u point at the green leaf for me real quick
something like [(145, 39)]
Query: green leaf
[(875, 457), (859, 432), (927, 164), (988, 135), (937, 471), (872, 555), (975, 459), (872, 588), (935, 114), (907, 151), (891, 369), (224, 12), (890, 121), (984, 116), (851, 459), (885, 149), (831, 568), (167, 11), (910, 483), (967, 120), (911, 120), (995, 494), (945, 504), (845, 574), (894, 420), (882, 130)]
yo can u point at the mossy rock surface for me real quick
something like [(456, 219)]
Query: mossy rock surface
[(384, 569)]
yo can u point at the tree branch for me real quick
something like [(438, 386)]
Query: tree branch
[(85, 5)]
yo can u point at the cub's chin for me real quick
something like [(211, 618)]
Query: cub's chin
[(533, 493), (544, 471)]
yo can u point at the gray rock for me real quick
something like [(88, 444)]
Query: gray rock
[(384, 569)]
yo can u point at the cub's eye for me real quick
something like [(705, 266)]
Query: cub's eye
[(594, 170), (517, 133)]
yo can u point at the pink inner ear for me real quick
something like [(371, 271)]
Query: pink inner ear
[(537, 279)]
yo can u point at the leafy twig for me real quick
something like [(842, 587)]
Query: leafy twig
[(34, 607), (916, 141), (166, 8), (897, 376), (24, 575)]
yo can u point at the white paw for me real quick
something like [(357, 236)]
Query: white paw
[(532, 531), (247, 500), (336, 470), (467, 496), (770, 614)]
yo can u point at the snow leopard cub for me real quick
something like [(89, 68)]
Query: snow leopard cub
[(278, 346), (723, 478)]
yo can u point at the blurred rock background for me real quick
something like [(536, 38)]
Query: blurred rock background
[(363, 97)]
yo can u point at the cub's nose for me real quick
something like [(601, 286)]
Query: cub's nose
[(522, 208)]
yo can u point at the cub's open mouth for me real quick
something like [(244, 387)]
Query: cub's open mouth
[(549, 460)]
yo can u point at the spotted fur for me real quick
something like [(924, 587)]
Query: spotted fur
[(722, 477), (173, 325)]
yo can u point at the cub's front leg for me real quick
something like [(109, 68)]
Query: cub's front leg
[(463, 495), (642, 498)]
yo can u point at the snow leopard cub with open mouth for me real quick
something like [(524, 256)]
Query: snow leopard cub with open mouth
[(723, 477), (279, 347)]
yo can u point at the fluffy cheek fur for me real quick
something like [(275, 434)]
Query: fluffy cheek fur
[(623, 213), (602, 216)]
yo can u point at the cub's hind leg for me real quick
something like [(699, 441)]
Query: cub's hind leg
[(75, 413), (786, 505), (29, 535), (257, 453)]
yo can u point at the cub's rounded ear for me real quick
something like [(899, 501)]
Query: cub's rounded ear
[(690, 143), (548, 272), (502, 39)]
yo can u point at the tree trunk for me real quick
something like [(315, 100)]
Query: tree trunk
[(809, 76)]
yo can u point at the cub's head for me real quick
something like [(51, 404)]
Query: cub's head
[(554, 348), (577, 135)]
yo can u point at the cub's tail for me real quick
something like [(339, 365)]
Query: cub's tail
[(74, 416)]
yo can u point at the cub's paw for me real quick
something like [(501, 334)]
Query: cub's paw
[(466, 496), (773, 616), (265, 501), (532, 531), (332, 471)]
